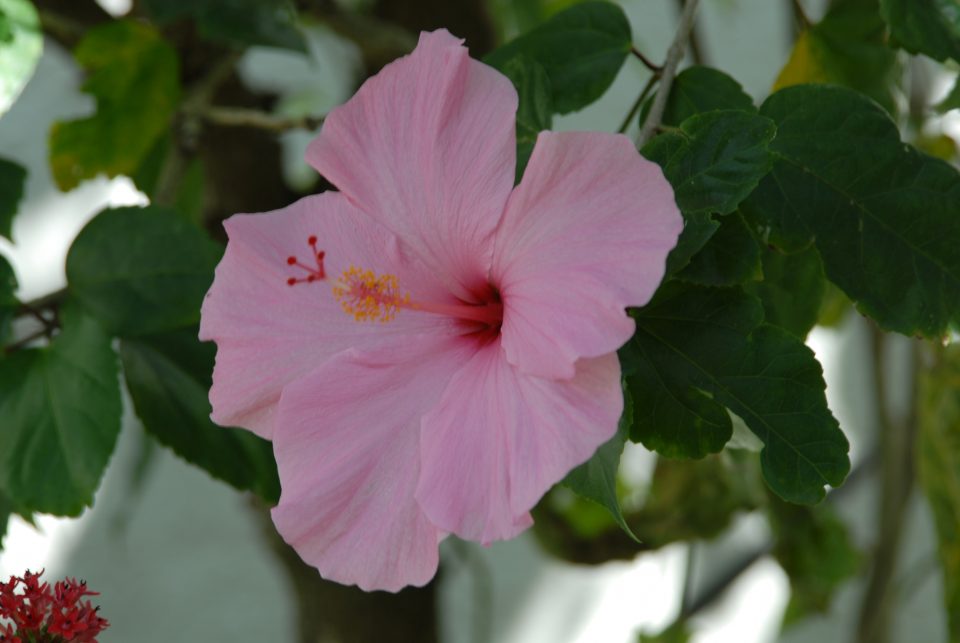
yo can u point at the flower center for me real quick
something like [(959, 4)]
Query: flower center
[(368, 296)]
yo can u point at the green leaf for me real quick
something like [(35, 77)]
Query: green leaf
[(581, 49), (883, 216), (730, 257), (6, 510), (596, 479), (713, 342), (141, 270), (535, 110), (61, 415), (792, 289), (715, 159), (700, 89), (848, 47), (939, 468), (12, 179), (271, 23), (930, 27), (814, 549), (21, 43), (8, 301), (168, 376), (133, 74)]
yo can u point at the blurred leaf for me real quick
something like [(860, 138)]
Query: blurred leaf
[(21, 43), (713, 344), (791, 290), (12, 179), (141, 270), (883, 216), (834, 307), (676, 633), (61, 415), (730, 257), (581, 49), (715, 159), (271, 23), (168, 376), (8, 301), (697, 499), (6, 510), (848, 47), (133, 74), (535, 110), (596, 479), (814, 549), (952, 100), (701, 89), (939, 468), (930, 27)]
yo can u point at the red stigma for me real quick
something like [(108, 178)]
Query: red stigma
[(313, 273)]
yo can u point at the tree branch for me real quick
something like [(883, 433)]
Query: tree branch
[(674, 56), (244, 117)]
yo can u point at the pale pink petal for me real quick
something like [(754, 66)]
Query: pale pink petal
[(585, 234), (427, 148), (499, 439), (347, 448), (269, 333)]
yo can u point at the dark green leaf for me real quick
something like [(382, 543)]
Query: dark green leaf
[(814, 549), (939, 468), (883, 215), (676, 633), (701, 89), (581, 49), (535, 110), (791, 290), (61, 415), (596, 479), (133, 74), (141, 270), (8, 301), (713, 341), (714, 160), (730, 257), (21, 43), (697, 230), (168, 379), (12, 179), (930, 27), (6, 510), (848, 47), (271, 23)]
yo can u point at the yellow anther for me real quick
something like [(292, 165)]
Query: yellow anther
[(368, 296)]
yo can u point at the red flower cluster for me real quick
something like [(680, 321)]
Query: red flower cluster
[(41, 614)]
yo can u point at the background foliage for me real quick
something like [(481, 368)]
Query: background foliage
[(828, 194)]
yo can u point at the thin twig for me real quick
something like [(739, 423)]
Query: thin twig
[(800, 15), (696, 48), (649, 64), (243, 117), (637, 103), (674, 56), (26, 341)]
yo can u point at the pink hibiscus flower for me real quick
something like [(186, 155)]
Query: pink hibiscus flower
[(430, 348)]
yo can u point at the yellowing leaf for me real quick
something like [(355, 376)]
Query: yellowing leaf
[(134, 76)]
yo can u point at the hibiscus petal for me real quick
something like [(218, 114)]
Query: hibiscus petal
[(269, 333), (427, 148), (347, 448), (585, 234), (499, 439)]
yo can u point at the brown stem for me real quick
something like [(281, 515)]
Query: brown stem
[(649, 64), (331, 613), (637, 103), (897, 440), (674, 56), (244, 117)]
